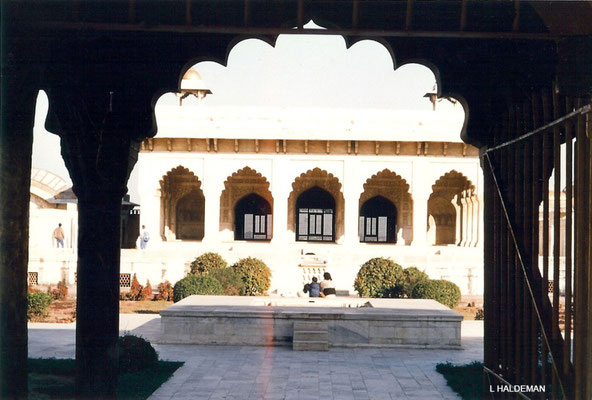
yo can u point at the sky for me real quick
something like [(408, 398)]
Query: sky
[(300, 71)]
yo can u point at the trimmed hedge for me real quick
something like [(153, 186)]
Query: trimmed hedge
[(206, 263), (411, 277), (37, 303), (192, 284), (445, 292), (256, 276), (231, 281), (135, 354), (378, 277)]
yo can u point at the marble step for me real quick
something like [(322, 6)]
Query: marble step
[(311, 336), (310, 345), (310, 326)]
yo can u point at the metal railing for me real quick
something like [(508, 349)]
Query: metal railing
[(539, 229)]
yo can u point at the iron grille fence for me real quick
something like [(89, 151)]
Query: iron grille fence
[(538, 256)]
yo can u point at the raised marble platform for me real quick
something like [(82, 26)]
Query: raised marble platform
[(352, 322)]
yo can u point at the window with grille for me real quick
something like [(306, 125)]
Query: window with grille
[(315, 216), (33, 278), (253, 219), (378, 221)]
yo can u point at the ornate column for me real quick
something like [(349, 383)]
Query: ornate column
[(100, 131), (457, 227), (19, 93), (421, 193), (213, 184), (463, 218), (476, 214), (280, 190), (352, 201)]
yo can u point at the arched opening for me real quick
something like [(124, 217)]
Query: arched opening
[(393, 189), (315, 218), (328, 189), (182, 206), (378, 221), (252, 218), (453, 211), (442, 222), (190, 216), (246, 192)]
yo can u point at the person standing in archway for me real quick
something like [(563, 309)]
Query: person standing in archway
[(58, 235), (144, 238)]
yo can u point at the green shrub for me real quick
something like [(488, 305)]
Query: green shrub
[(165, 291), (206, 263), (466, 380), (192, 284), (231, 282), (445, 292), (256, 276), (37, 303), (378, 277), (411, 277), (135, 354)]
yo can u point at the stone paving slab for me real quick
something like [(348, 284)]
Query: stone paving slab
[(249, 373)]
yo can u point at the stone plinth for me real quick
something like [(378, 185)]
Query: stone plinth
[(352, 322)]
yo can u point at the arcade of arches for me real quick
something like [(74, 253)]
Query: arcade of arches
[(316, 208), (302, 213)]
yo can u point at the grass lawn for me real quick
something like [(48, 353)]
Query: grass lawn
[(51, 378), (466, 380), (143, 307)]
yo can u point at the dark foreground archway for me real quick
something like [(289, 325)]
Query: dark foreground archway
[(102, 68)]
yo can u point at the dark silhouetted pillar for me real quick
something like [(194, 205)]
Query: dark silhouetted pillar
[(99, 139), (16, 140)]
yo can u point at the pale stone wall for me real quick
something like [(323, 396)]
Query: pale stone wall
[(169, 260), (280, 164)]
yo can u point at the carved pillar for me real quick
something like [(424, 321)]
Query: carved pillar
[(280, 190), (212, 189), (476, 214), (457, 209), (421, 193), (351, 193), (469, 219), (100, 133), (463, 220), (16, 139)]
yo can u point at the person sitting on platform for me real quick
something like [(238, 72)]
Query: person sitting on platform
[(327, 286), (314, 288)]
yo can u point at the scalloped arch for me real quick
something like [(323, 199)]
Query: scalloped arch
[(454, 176)]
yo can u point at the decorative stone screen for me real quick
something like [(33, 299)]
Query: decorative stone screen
[(33, 278), (125, 280)]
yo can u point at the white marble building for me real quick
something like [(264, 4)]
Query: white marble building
[(309, 190)]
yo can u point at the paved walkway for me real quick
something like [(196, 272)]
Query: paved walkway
[(242, 372)]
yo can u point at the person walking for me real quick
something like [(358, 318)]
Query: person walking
[(58, 235), (144, 238)]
